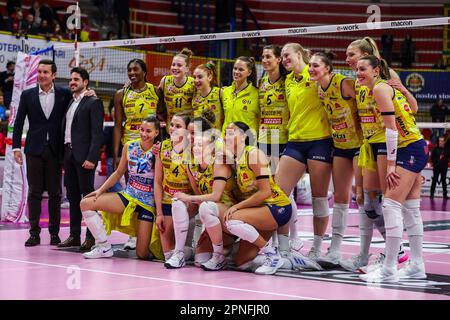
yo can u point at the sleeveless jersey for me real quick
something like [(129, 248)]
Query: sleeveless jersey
[(211, 101), (205, 180), (246, 179), (177, 99), (141, 174), (274, 112), (137, 106), (242, 107), (342, 114), (308, 119), (175, 178), (373, 124)]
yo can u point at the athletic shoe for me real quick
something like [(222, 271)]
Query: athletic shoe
[(381, 275), (301, 262), (252, 265), (313, 254), (273, 262), (354, 263), (216, 263), (377, 264), (402, 256), (131, 244), (296, 244), (413, 270), (330, 259), (176, 260), (103, 250)]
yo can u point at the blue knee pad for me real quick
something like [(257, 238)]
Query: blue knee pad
[(373, 204)]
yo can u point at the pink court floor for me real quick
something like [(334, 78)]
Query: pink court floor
[(44, 272)]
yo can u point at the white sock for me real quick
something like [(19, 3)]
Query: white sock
[(317, 244), (180, 218), (95, 224), (366, 232), (293, 220), (339, 223), (218, 248), (392, 211), (283, 240)]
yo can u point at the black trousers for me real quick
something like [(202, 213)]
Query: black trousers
[(441, 173), (79, 182), (44, 173)]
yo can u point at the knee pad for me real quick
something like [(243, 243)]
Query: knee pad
[(320, 207), (339, 221), (95, 224), (365, 223), (179, 212), (412, 217), (209, 214), (372, 204), (393, 222), (379, 224), (242, 230)]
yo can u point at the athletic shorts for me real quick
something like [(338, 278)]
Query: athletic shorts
[(281, 214), (311, 150), (413, 157), (143, 214), (167, 209), (346, 153), (272, 149), (378, 149)]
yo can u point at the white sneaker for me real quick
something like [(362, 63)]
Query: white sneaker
[(378, 263), (313, 254), (383, 274), (296, 244), (301, 262), (254, 264), (216, 263), (273, 262), (131, 244), (330, 259), (176, 260), (354, 263), (103, 250), (412, 270)]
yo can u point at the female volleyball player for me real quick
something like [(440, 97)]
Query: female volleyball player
[(337, 94), (177, 89), (240, 100), (132, 210), (207, 96), (406, 157), (171, 177)]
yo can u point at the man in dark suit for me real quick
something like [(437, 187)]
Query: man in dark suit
[(45, 107), (83, 137)]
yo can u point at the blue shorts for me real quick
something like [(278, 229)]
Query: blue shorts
[(272, 149), (319, 150), (378, 149), (143, 214), (346, 153), (167, 210), (282, 214), (413, 157)]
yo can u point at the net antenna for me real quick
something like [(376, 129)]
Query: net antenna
[(74, 24)]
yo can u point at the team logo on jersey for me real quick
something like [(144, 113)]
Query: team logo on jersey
[(411, 160), (167, 154), (406, 107), (281, 97), (213, 107), (170, 88), (337, 105), (415, 82)]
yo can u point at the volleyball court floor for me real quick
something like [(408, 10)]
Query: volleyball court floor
[(44, 272)]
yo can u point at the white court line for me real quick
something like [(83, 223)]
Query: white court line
[(164, 280)]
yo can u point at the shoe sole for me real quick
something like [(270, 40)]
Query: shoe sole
[(168, 266), (206, 269), (97, 257), (415, 277)]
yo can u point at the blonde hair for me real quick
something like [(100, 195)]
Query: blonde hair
[(297, 47), (186, 54), (367, 45)]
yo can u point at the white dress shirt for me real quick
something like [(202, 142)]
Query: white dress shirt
[(47, 100), (69, 117)]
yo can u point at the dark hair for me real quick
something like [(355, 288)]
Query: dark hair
[(142, 64), (249, 135), (185, 115), (251, 65), (10, 63), (206, 120), (49, 63), (276, 49), (326, 58), (210, 69), (83, 73), (378, 63), (157, 124)]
